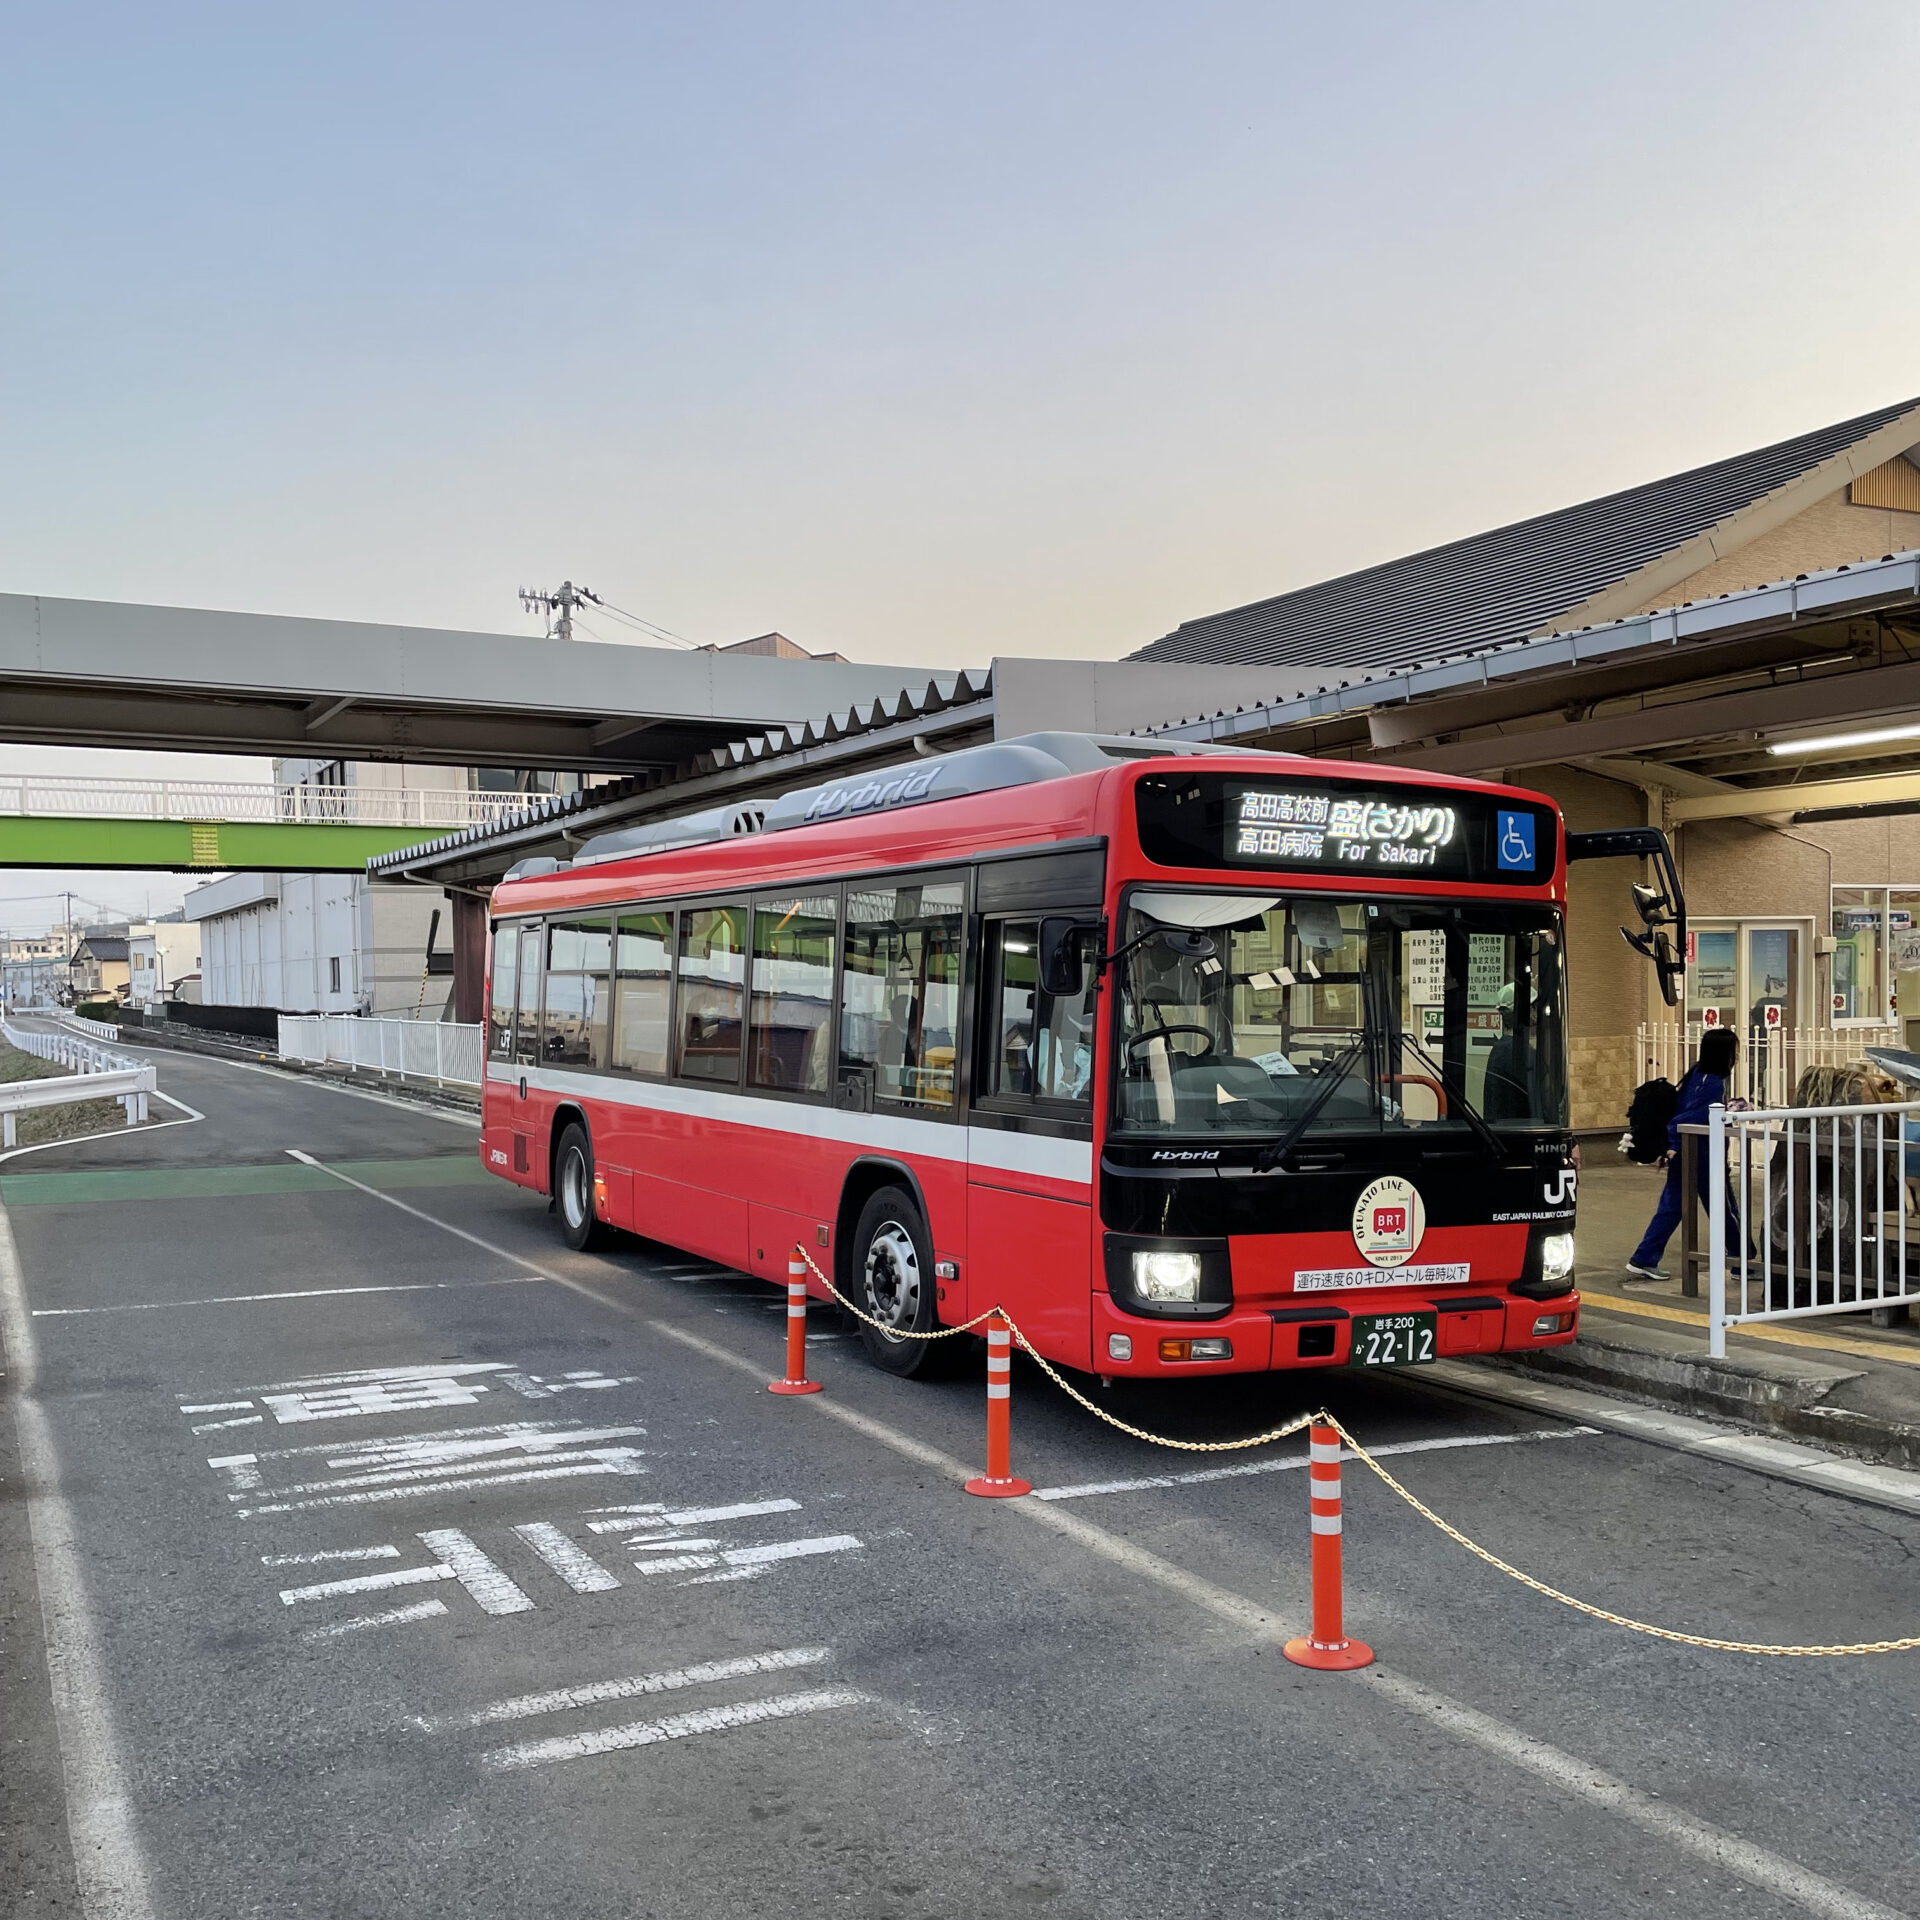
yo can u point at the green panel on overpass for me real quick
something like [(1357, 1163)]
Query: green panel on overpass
[(181, 846)]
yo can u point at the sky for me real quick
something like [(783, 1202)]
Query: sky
[(924, 333)]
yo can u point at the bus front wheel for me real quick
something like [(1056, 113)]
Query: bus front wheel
[(893, 1281), (573, 1189)]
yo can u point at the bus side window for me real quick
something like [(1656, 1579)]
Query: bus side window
[(526, 1033), (790, 1035), (713, 976), (574, 1031), (643, 992), (900, 994), (506, 949), (1040, 1047)]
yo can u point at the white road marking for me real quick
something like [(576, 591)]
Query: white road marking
[(373, 1470), (789, 1550), (663, 1542), (598, 1692), (1288, 1462), (742, 1510), (677, 1563), (481, 1578), (108, 1865), (220, 1406), (374, 1376), (679, 1726), (726, 1574), (332, 1554), (348, 1403), (657, 1516), (578, 1568), (396, 1616), (1756, 1865), (366, 1583), (374, 1496), (215, 1426), (302, 1293)]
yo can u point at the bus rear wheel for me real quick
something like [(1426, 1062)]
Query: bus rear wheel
[(573, 1189), (893, 1281)]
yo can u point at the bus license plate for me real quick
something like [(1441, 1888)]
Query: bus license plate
[(1393, 1339)]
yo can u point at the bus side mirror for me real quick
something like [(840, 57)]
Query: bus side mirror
[(1669, 969), (1064, 949)]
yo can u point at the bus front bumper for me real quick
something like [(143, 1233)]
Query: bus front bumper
[(1291, 1335)]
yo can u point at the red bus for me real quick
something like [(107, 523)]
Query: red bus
[(1192, 1060)]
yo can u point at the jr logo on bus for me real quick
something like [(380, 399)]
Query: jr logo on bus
[(1389, 1221)]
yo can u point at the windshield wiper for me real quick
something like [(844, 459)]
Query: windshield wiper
[(1336, 1072), (1457, 1101)]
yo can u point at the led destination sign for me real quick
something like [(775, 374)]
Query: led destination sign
[(1398, 832), (1285, 829)]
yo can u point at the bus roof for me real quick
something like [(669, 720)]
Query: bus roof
[(1023, 792)]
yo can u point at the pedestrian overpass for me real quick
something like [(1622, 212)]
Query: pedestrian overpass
[(183, 826)]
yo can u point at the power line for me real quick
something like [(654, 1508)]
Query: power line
[(563, 606)]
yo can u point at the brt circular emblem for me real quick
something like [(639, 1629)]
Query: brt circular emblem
[(1388, 1221)]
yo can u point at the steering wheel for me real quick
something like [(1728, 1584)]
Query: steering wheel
[(1164, 1033), (1421, 1080)]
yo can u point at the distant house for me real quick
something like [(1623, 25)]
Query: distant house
[(100, 966)]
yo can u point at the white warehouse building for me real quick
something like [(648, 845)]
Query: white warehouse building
[(321, 943)]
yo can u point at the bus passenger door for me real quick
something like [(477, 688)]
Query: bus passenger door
[(1030, 1235)]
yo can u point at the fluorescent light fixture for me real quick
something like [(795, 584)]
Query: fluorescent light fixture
[(1828, 742)]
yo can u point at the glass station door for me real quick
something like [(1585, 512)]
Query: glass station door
[(1748, 975)]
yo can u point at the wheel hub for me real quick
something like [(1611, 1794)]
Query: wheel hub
[(893, 1276)]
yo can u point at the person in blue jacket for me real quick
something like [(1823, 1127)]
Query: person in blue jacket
[(1705, 1086)]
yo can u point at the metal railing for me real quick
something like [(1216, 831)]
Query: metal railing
[(446, 1053), (1771, 1059), (95, 1074), (1821, 1200), (66, 797)]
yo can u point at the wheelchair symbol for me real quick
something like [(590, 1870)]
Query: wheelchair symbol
[(1515, 848)]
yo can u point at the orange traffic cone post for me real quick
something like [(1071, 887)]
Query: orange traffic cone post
[(796, 1380), (1327, 1646), (998, 1483)]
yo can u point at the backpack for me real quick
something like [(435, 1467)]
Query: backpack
[(1651, 1109)]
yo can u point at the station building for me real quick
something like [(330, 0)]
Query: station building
[(1732, 653)]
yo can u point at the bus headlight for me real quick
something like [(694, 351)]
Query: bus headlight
[(1168, 1276), (1556, 1256)]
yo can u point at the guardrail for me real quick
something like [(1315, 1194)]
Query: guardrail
[(1815, 1215), (1771, 1059), (65, 797), (440, 1051), (96, 1075)]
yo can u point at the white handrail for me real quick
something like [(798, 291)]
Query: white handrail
[(448, 1053), (66, 796)]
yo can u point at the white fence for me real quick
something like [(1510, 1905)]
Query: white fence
[(96, 1075), (1821, 1216), (62, 796), (1771, 1059), (449, 1055)]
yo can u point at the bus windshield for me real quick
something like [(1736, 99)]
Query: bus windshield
[(1352, 1015)]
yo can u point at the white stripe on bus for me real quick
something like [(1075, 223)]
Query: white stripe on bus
[(1032, 1153)]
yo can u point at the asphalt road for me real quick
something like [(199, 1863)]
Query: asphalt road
[(635, 1637)]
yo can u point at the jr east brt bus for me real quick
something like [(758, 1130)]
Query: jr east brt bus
[(1194, 1061)]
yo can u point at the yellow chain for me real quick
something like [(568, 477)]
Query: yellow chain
[(1072, 1392), (1454, 1534), (1360, 1453), (892, 1333)]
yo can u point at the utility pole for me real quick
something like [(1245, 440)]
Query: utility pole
[(558, 606)]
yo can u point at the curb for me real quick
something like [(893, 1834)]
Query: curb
[(1753, 1394)]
